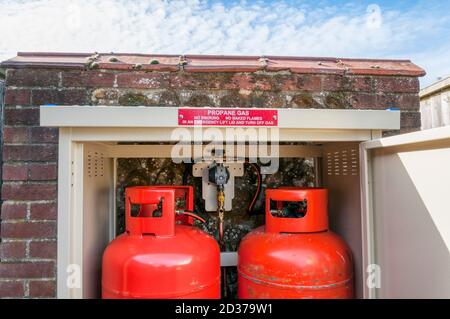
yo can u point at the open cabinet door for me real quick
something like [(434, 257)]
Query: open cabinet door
[(406, 215)]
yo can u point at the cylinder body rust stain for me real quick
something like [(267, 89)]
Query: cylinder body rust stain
[(295, 257)]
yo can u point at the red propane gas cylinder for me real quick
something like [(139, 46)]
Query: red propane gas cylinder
[(295, 255), (157, 258), (184, 201)]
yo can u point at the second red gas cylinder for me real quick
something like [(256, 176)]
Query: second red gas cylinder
[(294, 255)]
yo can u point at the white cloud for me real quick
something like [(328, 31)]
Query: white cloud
[(193, 26)]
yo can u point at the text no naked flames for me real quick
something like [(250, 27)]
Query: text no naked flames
[(227, 117)]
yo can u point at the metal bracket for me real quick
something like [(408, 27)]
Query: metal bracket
[(209, 190), (228, 259)]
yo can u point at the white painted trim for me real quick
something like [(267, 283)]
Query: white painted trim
[(70, 220), (76, 213), (64, 211), (422, 141), (130, 134), (113, 221), (164, 151), (430, 135), (139, 116), (367, 231), (435, 88)]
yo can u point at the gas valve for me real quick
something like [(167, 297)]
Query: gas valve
[(218, 174), (215, 176)]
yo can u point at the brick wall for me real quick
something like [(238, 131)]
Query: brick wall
[(28, 210)]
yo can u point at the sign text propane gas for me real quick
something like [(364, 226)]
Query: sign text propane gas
[(227, 117)]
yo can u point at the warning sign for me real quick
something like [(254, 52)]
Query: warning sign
[(227, 117)]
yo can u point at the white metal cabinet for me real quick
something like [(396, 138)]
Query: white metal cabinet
[(387, 198), (406, 213)]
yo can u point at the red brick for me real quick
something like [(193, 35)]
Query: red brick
[(380, 84), (200, 100), (358, 84), (12, 289), (202, 81), (305, 100), (234, 99), (410, 120), (16, 152), (42, 288), (143, 80), (396, 84), (250, 82), (167, 97), (32, 77), (385, 101), (361, 100), (13, 211), (267, 100), (16, 135), (330, 82), (409, 102), (44, 135), (30, 152), (283, 82), (19, 191), (17, 97), (43, 249), (21, 116), (309, 82), (87, 79), (40, 172), (59, 96), (12, 250), (405, 130), (43, 211), (401, 131), (24, 229), (267, 82), (336, 100), (15, 172), (45, 269), (287, 83), (109, 95)]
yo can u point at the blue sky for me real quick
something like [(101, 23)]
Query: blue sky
[(417, 30)]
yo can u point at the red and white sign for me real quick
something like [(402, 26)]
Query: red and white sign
[(227, 117)]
